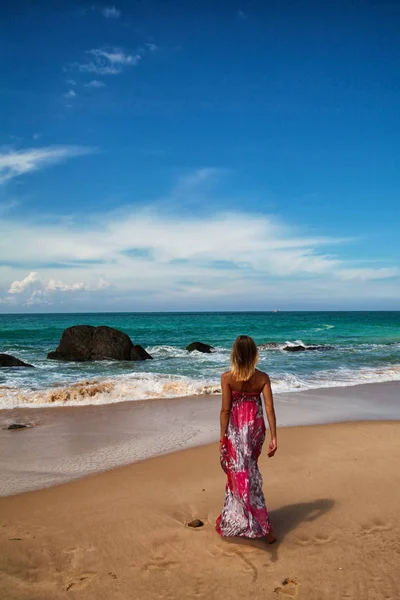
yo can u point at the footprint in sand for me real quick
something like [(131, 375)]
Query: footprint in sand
[(289, 587), (75, 555), (80, 583), (160, 562), (384, 588), (248, 565), (318, 540), (375, 526)]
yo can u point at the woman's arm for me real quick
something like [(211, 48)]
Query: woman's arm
[(270, 410), (226, 406)]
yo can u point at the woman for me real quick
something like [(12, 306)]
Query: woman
[(242, 436)]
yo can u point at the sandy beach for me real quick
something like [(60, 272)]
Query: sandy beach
[(333, 496), (67, 443)]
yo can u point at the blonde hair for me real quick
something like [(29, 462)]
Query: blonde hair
[(244, 357)]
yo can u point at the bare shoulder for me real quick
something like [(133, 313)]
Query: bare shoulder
[(225, 377), (263, 377)]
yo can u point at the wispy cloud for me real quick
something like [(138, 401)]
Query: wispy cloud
[(59, 286), (112, 60), (17, 163), (152, 47), (366, 274), (197, 178), (95, 83), (8, 205), (70, 94), (37, 297), (185, 259), (114, 56), (110, 12)]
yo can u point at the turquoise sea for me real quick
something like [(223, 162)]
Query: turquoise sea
[(358, 347)]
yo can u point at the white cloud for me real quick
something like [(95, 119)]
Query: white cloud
[(38, 297), (35, 290), (143, 247), (18, 287), (365, 274), (95, 84), (114, 56), (71, 82), (16, 163), (111, 60), (60, 286), (110, 12), (108, 61), (152, 47), (70, 94), (179, 258)]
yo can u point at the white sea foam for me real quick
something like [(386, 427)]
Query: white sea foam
[(144, 386), (138, 386), (158, 352), (324, 327), (338, 378)]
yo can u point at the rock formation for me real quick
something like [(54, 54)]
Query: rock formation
[(200, 347), (6, 360), (85, 343)]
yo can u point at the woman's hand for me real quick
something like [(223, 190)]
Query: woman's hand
[(272, 448)]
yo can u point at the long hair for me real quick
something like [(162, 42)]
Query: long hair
[(244, 357)]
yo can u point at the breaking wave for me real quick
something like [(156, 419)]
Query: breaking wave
[(146, 386), (288, 345), (140, 386)]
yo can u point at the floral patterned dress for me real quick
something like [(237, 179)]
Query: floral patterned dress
[(244, 512)]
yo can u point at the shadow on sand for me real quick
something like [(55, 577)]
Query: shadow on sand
[(284, 520)]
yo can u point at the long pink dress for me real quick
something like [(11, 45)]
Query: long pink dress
[(244, 512)]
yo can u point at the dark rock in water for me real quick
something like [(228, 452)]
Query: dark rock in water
[(200, 347), (17, 426), (319, 347), (139, 353), (300, 348), (6, 360), (294, 348), (196, 523), (76, 344), (85, 342)]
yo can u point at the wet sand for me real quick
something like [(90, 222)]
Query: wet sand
[(69, 442), (333, 496)]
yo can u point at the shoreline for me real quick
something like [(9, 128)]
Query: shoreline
[(69, 443), (277, 394), (332, 496), (95, 390)]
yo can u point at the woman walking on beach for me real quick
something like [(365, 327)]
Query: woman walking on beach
[(242, 437)]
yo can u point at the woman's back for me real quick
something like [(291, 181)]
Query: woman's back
[(253, 385)]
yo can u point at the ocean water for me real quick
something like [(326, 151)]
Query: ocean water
[(356, 347)]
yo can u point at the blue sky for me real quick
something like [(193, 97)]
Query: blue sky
[(199, 156)]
